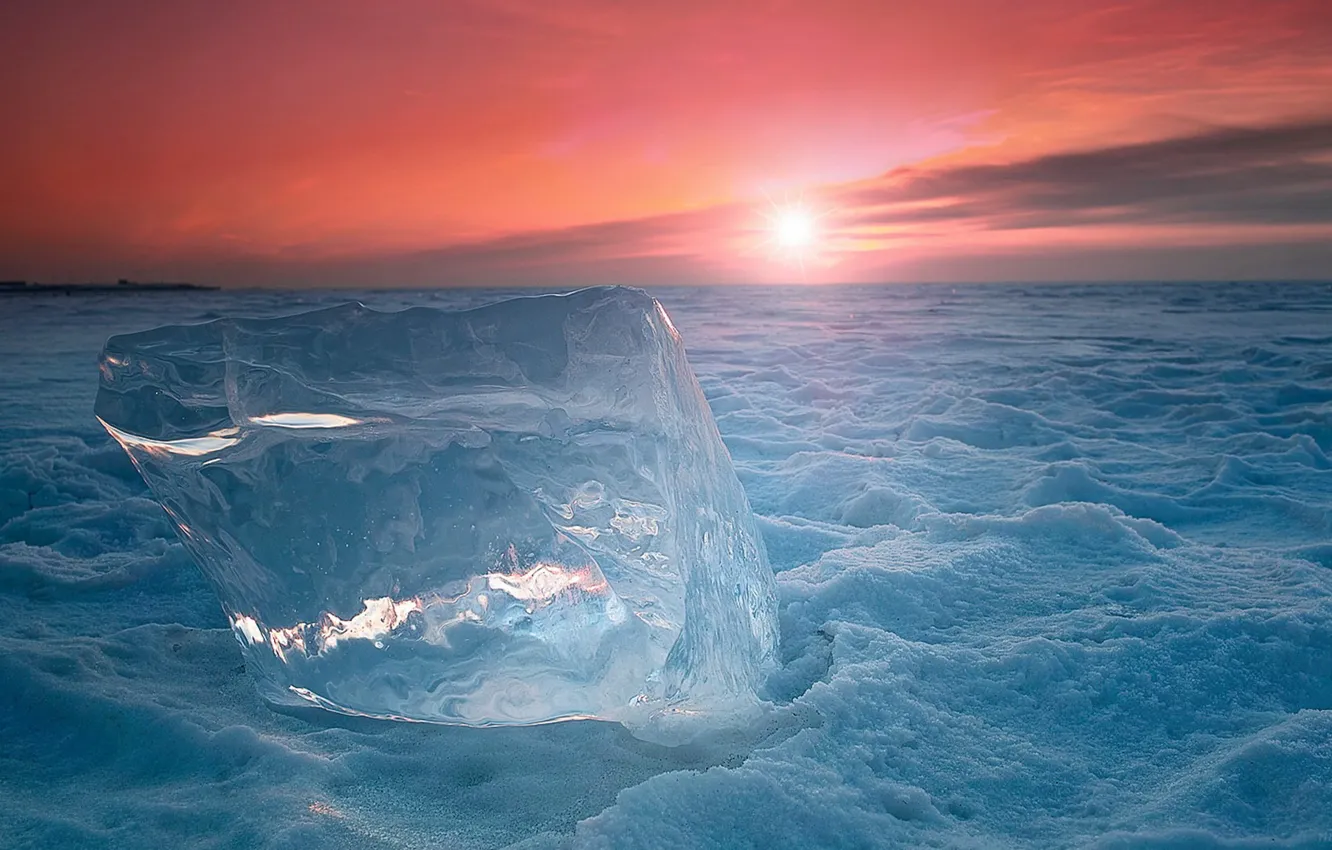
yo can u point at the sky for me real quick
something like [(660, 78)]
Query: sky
[(404, 143)]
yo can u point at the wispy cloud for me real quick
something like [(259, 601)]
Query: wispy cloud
[(352, 141), (1267, 175), (1191, 204)]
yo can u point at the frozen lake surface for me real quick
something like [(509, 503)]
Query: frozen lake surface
[(1055, 567)]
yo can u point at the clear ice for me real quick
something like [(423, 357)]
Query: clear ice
[(510, 515)]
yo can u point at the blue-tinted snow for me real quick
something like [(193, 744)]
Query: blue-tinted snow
[(1055, 565)]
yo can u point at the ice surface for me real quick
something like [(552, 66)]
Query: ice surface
[(509, 515), (1054, 569)]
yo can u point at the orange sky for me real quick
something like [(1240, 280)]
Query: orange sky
[(432, 143)]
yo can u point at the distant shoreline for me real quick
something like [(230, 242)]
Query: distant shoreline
[(23, 287)]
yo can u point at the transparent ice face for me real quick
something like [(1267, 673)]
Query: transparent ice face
[(515, 514)]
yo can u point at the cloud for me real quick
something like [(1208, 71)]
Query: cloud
[(655, 250), (1262, 176), (140, 147), (1225, 202), (1183, 202)]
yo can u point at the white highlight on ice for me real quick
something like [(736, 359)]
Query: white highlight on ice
[(544, 582), (282, 639), (189, 447), (304, 420), (249, 627), (380, 617), (538, 586)]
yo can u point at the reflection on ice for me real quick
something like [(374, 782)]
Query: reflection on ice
[(248, 627), (283, 639), (545, 581), (304, 420), (534, 588), (191, 447), (380, 617), (224, 438)]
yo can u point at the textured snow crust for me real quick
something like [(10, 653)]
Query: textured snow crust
[(1054, 570)]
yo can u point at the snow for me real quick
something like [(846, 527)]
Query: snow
[(514, 514), (1054, 570)]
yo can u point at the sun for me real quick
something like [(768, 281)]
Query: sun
[(793, 232), (794, 228)]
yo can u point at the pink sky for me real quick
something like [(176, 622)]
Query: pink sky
[(424, 143)]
